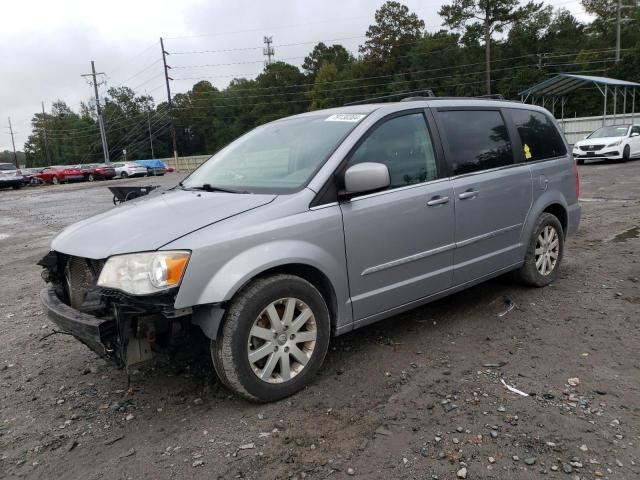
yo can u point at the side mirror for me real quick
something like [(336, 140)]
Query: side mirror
[(366, 177)]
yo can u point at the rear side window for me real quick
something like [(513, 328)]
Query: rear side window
[(540, 137), (478, 140), (404, 145)]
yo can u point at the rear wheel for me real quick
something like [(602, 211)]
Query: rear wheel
[(55, 180), (274, 338), (544, 252)]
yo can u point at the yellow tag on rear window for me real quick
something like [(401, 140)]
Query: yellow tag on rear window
[(527, 152)]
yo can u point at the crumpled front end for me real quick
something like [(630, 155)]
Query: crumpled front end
[(124, 328)]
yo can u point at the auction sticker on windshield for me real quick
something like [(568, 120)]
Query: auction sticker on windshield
[(345, 117)]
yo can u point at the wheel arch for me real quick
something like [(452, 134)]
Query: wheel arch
[(552, 202)]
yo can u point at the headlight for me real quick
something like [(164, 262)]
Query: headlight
[(615, 144), (144, 273)]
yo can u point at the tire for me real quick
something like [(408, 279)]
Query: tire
[(55, 180), (626, 153), (90, 177), (580, 161), (248, 311), (124, 175), (530, 273)]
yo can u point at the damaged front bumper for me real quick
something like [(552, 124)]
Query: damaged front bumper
[(96, 333), (126, 329)]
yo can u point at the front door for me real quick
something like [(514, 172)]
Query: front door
[(399, 242), (492, 192)]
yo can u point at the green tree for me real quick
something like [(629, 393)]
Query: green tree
[(493, 16), (391, 38), (322, 54)]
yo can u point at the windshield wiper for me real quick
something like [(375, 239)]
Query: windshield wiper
[(210, 188)]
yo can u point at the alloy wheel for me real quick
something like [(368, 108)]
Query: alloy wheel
[(282, 340), (547, 250)]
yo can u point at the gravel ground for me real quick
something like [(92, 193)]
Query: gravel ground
[(419, 395)]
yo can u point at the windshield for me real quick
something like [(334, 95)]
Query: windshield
[(278, 157), (614, 131)]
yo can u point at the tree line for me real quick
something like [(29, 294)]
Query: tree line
[(485, 46)]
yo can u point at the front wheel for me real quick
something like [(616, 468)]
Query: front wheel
[(273, 340), (626, 153), (544, 252), (124, 175)]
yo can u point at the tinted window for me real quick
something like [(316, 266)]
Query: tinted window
[(540, 137), (404, 145), (635, 130), (478, 140)]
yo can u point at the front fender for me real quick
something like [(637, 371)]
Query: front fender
[(242, 268)]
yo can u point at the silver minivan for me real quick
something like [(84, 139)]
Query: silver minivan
[(314, 225)]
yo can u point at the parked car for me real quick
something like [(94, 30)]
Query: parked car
[(317, 224), (129, 169), (60, 174), (97, 171), (154, 167), (614, 142), (10, 176), (28, 175)]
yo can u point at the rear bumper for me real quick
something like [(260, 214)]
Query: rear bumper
[(573, 218), (96, 333)]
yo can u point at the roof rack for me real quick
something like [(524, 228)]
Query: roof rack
[(417, 95), (424, 94)]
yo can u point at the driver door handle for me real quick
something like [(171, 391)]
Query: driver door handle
[(468, 194), (437, 200)]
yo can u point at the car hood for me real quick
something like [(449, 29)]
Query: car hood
[(598, 141), (151, 222)]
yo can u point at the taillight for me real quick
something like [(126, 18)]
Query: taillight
[(577, 174)]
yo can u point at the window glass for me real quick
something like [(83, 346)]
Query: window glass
[(404, 145), (540, 137), (612, 131), (478, 140), (635, 129)]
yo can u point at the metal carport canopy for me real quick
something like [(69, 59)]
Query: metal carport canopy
[(564, 83)]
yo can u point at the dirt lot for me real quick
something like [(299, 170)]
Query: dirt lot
[(416, 396)]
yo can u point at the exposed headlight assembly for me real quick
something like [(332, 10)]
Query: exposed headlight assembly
[(144, 273)]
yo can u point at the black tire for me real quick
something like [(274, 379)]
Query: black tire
[(90, 177), (580, 161), (55, 180), (124, 175), (529, 273), (230, 350), (626, 153)]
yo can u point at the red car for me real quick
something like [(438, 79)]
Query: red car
[(58, 174), (97, 171)]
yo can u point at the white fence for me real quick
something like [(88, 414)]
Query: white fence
[(576, 128)]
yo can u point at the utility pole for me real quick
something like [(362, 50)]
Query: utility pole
[(15, 155), (150, 137), (170, 103), (268, 51), (103, 134), (618, 21), (46, 139)]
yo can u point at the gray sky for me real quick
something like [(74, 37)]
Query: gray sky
[(46, 45)]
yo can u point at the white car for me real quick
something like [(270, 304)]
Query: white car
[(129, 169), (614, 142), (10, 176)]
